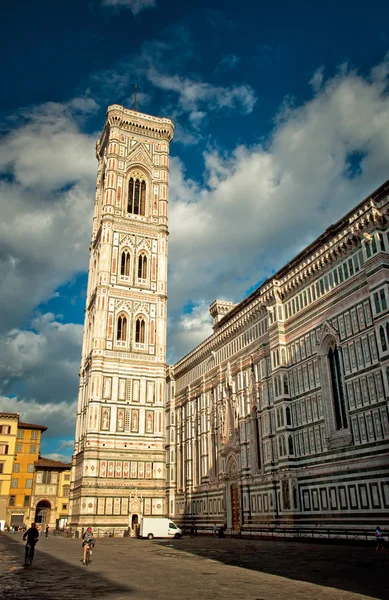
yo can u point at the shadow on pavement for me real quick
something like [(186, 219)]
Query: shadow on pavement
[(49, 577), (358, 570)]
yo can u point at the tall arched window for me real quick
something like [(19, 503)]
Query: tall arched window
[(140, 329), (136, 204), (288, 416), (384, 345), (290, 445), (286, 386), (142, 266), (257, 441), (125, 264), (121, 333), (337, 388)]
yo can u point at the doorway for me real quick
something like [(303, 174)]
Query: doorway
[(42, 512)]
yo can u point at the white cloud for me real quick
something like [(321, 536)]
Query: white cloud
[(261, 205), (46, 202), (196, 96), (189, 330), (135, 6), (40, 368), (58, 418), (65, 458)]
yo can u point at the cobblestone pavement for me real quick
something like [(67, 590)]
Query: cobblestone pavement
[(192, 569)]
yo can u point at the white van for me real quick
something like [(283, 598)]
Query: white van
[(158, 527)]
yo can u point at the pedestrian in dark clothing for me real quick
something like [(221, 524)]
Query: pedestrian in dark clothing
[(380, 540), (192, 530), (47, 531), (32, 536)]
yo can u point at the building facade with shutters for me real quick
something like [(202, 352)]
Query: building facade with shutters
[(281, 415), (118, 471), (50, 493), (27, 451), (8, 433)]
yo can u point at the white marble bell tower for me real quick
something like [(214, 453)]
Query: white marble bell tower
[(120, 433)]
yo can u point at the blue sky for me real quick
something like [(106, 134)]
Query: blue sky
[(282, 125)]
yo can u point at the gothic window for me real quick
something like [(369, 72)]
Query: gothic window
[(384, 344), (288, 417), (140, 327), (257, 442), (337, 388), (142, 266), (136, 204), (283, 356), (121, 334), (290, 445), (286, 386), (125, 264)]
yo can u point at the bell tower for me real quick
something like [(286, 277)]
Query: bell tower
[(118, 472)]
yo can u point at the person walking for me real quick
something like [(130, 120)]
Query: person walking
[(214, 529), (32, 536), (380, 540), (47, 531)]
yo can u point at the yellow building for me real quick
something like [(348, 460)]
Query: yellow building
[(26, 452), (8, 433), (50, 493)]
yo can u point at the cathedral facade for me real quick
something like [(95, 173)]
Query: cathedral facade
[(280, 417), (118, 470)]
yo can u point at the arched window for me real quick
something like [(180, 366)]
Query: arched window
[(337, 388), (257, 443), (283, 356), (121, 334), (125, 264), (288, 417), (290, 445), (286, 386), (384, 345), (136, 204), (142, 266), (140, 327)]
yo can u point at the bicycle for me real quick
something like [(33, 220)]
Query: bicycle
[(88, 554), (28, 555)]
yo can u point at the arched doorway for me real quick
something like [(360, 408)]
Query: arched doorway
[(42, 512)]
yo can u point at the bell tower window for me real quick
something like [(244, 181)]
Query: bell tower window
[(121, 333), (136, 204), (125, 264), (142, 267), (140, 331)]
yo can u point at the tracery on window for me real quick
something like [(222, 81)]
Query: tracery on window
[(140, 330), (142, 267), (337, 388), (136, 204), (125, 263), (121, 332)]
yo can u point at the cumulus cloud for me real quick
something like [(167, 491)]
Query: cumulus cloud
[(261, 205), (135, 6), (194, 95), (41, 365), (48, 170), (58, 418), (191, 328), (65, 458)]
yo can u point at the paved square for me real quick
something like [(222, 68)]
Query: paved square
[(192, 569)]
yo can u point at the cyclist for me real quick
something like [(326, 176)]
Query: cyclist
[(32, 536), (87, 540)]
